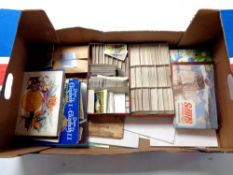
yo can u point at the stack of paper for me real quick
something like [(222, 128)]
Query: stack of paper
[(130, 140), (152, 127), (107, 70), (161, 132)]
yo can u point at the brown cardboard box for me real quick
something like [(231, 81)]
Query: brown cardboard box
[(204, 31)]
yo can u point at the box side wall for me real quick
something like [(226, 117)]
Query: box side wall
[(204, 28), (36, 27), (9, 108), (81, 35), (7, 153), (225, 104)]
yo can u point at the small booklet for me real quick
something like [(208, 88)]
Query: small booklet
[(71, 113), (118, 51), (190, 55), (194, 91), (101, 101), (40, 107)]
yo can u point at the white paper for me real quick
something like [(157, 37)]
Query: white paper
[(230, 85), (56, 140), (144, 137), (99, 145), (130, 140), (119, 103), (69, 63), (190, 138), (111, 106), (153, 127), (91, 96), (4, 60)]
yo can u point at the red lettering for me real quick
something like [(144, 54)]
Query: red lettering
[(187, 117)]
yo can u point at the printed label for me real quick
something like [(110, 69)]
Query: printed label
[(185, 113)]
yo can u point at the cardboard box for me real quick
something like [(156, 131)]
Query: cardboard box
[(208, 29)]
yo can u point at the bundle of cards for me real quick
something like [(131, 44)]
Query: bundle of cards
[(111, 54), (108, 79), (150, 79)]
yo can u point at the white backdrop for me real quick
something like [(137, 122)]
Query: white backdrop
[(120, 15)]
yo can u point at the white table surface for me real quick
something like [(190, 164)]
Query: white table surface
[(120, 15)]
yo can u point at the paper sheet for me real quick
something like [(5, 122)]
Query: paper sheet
[(119, 103), (130, 140), (190, 138), (91, 99), (153, 127)]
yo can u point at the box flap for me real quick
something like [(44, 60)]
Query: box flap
[(204, 28), (227, 23), (21, 151), (9, 20), (35, 26), (83, 35)]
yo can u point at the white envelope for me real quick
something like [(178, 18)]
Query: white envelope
[(190, 138)]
